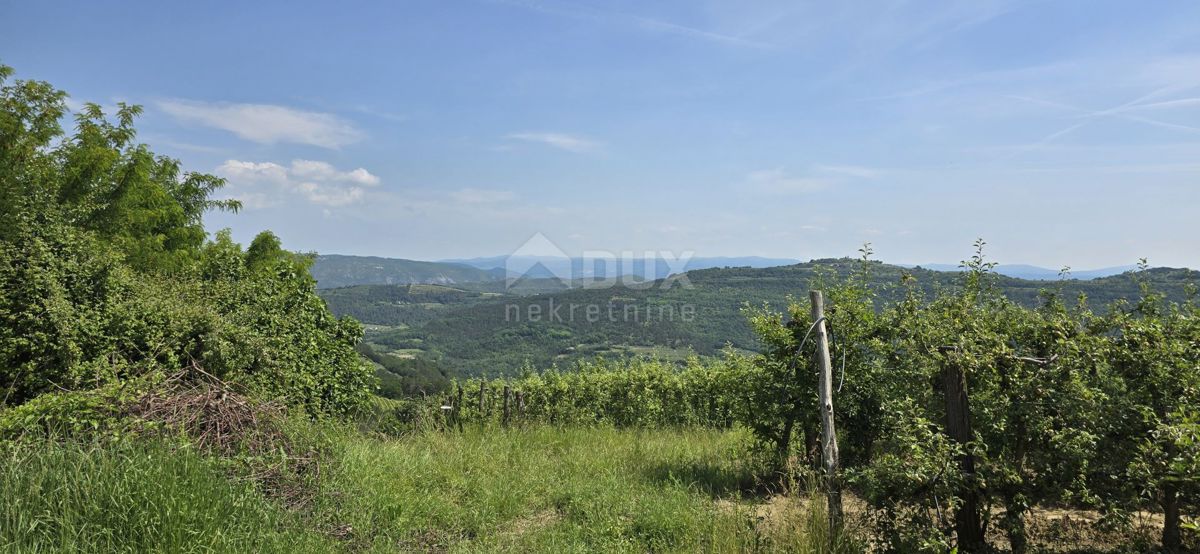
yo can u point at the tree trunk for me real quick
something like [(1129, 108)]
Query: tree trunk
[(785, 442), (1014, 526), (968, 525), (1171, 539), (812, 448)]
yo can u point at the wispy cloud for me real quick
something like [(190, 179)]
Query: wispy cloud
[(1168, 104), (984, 79), (480, 196), (779, 182), (1119, 111), (266, 123), (850, 171), (562, 141), (381, 114), (818, 177), (691, 32), (264, 184), (642, 23)]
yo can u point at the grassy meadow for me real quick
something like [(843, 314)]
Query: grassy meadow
[(534, 489)]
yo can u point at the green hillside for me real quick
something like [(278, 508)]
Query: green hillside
[(478, 333), (335, 270), (398, 305)]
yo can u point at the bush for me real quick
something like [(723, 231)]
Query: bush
[(64, 415)]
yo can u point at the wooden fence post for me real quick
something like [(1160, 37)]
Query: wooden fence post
[(458, 406), (829, 447), (967, 522), (507, 395), (482, 397), (520, 405)]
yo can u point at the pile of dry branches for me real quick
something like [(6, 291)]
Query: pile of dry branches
[(217, 419)]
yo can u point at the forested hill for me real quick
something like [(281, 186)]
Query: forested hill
[(334, 270), (473, 332)]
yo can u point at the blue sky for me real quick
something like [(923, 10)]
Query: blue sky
[(1063, 132)]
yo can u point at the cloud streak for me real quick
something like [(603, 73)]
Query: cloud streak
[(647, 24), (778, 182), (561, 141), (1120, 111), (266, 123)]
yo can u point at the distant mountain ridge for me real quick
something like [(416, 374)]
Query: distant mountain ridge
[(568, 268), (1035, 273), (336, 270)]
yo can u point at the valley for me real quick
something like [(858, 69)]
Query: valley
[(485, 327)]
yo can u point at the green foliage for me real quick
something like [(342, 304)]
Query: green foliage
[(1060, 401), (65, 414), (1152, 356), (636, 392), (61, 296), (107, 274), (406, 377)]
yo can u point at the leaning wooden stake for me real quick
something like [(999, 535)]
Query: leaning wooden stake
[(829, 450), (968, 524)]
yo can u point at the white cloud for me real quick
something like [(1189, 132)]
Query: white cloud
[(310, 169), (330, 195), (255, 200), (478, 196), (263, 184), (562, 141), (236, 170), (266, 123), (776, 181)]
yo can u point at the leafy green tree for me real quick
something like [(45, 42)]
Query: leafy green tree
[(1154, 355), (107, 274)]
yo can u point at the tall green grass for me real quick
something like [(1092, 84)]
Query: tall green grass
[(134, 498), (550, 489), (535, 489)]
